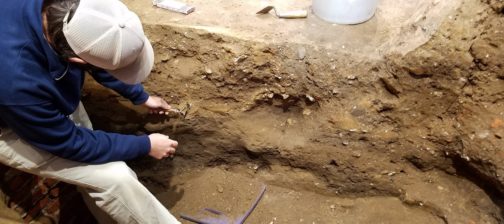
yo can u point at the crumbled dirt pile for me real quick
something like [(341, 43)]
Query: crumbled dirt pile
[(362, 138)]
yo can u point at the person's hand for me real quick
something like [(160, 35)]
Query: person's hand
[(157, 105), (162, 146)]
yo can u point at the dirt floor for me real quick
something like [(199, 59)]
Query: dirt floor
[(404, 125)]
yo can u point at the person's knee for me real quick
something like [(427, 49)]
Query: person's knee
[(116, 174)]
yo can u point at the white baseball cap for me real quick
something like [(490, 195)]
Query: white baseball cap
[(106, 34)]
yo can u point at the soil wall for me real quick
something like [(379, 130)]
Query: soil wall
[(425, 127)]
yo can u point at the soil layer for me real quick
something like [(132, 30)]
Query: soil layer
[(403, 137)]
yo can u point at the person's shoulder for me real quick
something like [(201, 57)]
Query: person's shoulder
[(24, 71), (24, 80)]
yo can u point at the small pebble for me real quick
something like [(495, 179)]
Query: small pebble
[(240, 59), (351, 77), (484, 134), (310, 98)]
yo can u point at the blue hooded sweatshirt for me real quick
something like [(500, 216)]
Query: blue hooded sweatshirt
[(38, 90)]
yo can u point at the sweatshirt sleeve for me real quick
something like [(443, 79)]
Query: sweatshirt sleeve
[(135, 93), (44, 127)]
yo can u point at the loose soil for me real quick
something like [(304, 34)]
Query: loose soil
[(412, 134)]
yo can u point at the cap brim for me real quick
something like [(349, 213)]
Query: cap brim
[(140, 69)]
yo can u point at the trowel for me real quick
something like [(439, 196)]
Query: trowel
[(296, 14), (178, 113)]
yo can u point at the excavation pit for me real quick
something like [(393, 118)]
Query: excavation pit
[(392, 121)]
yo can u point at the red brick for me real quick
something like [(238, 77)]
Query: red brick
[(51, 183), (35, 197), (36, 210), (42, 203), (37, 194), (54, 193), (52, 208), (42, 186)]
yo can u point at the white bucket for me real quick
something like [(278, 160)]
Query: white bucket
[(345, 11)]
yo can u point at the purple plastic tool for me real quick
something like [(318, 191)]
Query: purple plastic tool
[(221, 217)]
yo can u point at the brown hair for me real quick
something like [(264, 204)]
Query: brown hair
[(55, 11)]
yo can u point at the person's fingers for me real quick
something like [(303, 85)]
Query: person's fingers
[(169, 155), (170, 151), (157, 111), (165, 105)]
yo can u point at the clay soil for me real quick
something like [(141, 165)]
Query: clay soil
[(400, 137)]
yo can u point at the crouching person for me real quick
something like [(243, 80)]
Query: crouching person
[(46, 48)]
